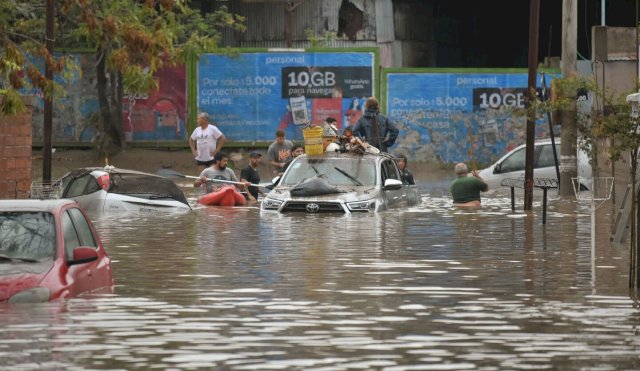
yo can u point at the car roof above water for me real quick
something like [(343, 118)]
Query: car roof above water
[(111, 169), (346, 155), (33, 205)]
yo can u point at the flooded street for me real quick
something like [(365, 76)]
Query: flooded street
[(431, 287)]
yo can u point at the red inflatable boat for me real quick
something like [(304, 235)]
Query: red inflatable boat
[(225, 196)]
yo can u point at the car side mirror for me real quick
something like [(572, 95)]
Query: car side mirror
[(83, 254), (275, 180), (392, 184), (497, 169)]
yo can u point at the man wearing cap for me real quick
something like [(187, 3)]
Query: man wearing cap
[(205, 141), (278, 152), (250, 174)]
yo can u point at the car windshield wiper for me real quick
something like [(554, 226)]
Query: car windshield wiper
[(356, 181), (9, 258)]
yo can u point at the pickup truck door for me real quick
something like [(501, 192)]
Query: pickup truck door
[(394, 197)]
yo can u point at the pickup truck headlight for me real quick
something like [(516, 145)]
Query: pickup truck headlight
[(361, 205), (271, 204), (33, 295)]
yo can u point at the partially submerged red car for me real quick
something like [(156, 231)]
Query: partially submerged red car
[(49, 249)]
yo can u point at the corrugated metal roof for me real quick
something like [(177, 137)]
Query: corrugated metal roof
[(384, 21), (413, 21), (302, 44), (265, 21)]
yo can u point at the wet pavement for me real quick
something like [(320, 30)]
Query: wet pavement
[(432, 287)]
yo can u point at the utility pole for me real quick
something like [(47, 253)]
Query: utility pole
[(48, 97), (534, 28), (568, 129)]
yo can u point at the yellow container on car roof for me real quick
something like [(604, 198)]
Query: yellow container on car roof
[(313, 140)]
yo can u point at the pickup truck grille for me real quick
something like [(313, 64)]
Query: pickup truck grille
[(303, 206)]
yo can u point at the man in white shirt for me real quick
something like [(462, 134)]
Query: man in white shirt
[(205, 141)]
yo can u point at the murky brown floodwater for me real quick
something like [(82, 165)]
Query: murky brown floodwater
[(427, 288)]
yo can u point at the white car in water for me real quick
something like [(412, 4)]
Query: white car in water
[(341, 183), (511, 165), (111, 189)]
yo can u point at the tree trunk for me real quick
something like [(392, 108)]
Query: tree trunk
[(116, 109), (105, 137)]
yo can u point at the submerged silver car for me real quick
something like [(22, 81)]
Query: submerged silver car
[(341, 183), (111, 189), (512, 165)]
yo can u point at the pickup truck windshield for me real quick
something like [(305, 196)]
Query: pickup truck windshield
[(363, 170)]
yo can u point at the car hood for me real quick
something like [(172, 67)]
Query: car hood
[(347, 194), (486, 171), (20, 276)]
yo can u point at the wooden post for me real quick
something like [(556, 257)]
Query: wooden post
[(473, 160), (534, 26), (568, 131)]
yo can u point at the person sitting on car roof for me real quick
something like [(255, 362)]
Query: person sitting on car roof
[(375, 127)]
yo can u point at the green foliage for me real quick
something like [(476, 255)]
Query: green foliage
[(318, 41), (136, 38), (137, 79), (610, 118), (11, 102)]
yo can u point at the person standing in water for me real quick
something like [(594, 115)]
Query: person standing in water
[(466, 188), (205, 141)]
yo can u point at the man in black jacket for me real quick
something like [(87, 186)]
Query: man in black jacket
[(376, 128), (405, 174), (250, 174)]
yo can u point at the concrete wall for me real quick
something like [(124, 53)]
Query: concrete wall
[(615, 67), (15, 155), (615, 63)]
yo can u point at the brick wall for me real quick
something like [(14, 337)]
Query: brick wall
[(15, 155)]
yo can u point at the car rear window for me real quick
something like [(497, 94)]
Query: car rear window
[(27, 235), (145, 186)]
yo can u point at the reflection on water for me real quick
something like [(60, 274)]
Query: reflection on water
[(431, 287)]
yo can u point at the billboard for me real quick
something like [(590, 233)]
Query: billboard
[(157, 116), (434, 112), (161, 114), (75, 113), (249, 96)]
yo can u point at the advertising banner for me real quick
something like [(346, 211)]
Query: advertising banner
[(248, 96), (157, 116), (434, 112), (75, 113), (160, 115)]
